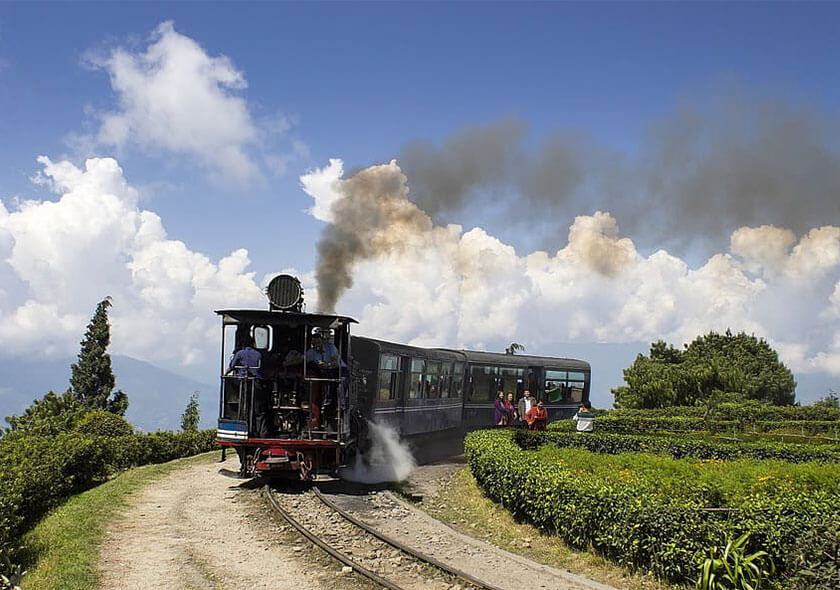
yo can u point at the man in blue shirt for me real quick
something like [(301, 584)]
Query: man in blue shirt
[(323, 352), (246, 361)]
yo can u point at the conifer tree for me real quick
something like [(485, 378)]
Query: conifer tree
[(191, 415), (92, 380)]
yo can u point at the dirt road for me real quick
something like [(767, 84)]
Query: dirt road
[(196, 529)]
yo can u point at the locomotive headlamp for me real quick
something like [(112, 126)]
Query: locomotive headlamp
[(285, 293)]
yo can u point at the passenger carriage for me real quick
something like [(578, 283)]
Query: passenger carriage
[(298, 416)]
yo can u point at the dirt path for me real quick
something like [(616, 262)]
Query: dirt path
[(196, 529)]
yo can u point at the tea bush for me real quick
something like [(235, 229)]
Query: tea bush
[(808, 573), (653, 513), (751, 411), (621, 423), (678, 446), (103, 423), (38, 472)]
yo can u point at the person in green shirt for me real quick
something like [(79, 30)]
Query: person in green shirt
[(585, 418)]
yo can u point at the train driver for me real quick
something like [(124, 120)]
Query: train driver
[(246, 361), (322, 351)]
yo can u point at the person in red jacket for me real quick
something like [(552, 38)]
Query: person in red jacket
[(537, 417)]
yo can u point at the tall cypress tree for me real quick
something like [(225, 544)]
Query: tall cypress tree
[(92, 380)]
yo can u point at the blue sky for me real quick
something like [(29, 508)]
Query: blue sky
[(358, 81)]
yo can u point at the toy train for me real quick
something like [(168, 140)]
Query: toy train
[(298, 394)]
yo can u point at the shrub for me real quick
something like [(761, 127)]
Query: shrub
[(678, 447), (39, 472), (621, 423), (104, 423), (653, 513), (814, 564)]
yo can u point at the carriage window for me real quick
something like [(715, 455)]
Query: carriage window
[(511, 380), (457, 389), (389, 366), (415, 384), (433, 379), (575, 391), (445, 379), (483, 383), (556, 388), (262, 337), (563, 386)]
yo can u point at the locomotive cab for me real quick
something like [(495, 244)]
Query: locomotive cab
[(284, 389)]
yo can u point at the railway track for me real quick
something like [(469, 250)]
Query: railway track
[(380, 558)]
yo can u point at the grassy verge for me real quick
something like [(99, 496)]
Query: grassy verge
[(64, 546), (462, 504)]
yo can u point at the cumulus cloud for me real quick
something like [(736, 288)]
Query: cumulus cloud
[(176, 97), (411, 280), (93, 240)]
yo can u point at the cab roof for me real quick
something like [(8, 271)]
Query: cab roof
[(288, 318)]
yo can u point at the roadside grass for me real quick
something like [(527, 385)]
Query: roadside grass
[(63, 548), (461, 504)]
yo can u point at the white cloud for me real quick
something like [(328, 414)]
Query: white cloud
[(94, 241), (452, 287), (176, 97)]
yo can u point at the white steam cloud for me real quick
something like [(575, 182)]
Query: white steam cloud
[(389, 459), (415, 281)]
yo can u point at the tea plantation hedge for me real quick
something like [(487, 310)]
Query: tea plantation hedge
[(678, 447), (37, 473), (748, 411), (657, 518), (641, 422)]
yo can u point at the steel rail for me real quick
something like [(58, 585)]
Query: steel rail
[(405, 548), (317, 541)]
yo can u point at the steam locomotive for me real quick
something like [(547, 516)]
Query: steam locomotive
[(299, 392)]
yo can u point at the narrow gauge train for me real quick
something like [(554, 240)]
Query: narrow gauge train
[(304, 406)]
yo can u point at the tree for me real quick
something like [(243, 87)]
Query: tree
[(514, 347), (191, 415), (711, 368), (831, 400), (92, 380), (48, 416)]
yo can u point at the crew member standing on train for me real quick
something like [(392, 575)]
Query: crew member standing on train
[(246, 360)]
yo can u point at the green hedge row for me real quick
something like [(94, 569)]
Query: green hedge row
[(678, 447), (37, 473), (636, 423), (749, 412), (652, 513)]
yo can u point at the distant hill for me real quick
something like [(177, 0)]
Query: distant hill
[(157, 397)]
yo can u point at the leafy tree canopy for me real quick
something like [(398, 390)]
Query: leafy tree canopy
[(712, 368), (92, 380)]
